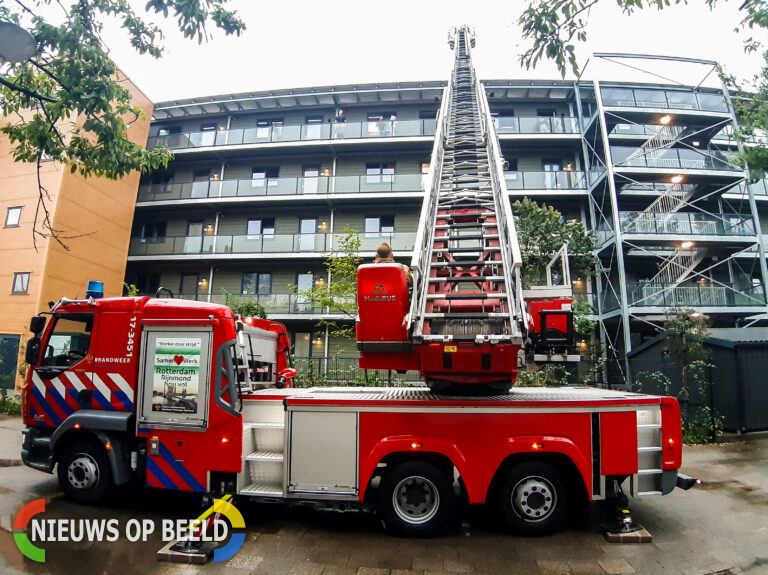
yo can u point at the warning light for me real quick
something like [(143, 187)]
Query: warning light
[(225, 439), (77, 426), (416, 445), (537, 445), (108, 445), (671, 443)]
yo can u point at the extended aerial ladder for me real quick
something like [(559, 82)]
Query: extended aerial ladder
[(467, 321)]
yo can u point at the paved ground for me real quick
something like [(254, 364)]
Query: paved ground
[(720, 527)]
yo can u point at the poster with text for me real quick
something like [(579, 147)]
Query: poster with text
[(176, 380)]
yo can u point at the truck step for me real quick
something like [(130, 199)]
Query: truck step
[(264, 425), (270, 456), (474, 279), (649, 471), (648, 449), (262, 490), (444, 296), (643, 493)]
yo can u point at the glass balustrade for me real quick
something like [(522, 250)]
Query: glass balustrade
[(295, 133), (671, 158), (559, 180), (281, 187), (536, 125), (685, 223), (694, 295), (663, 99)]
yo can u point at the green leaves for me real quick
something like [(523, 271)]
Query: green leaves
[(67, 104), (541, 232)]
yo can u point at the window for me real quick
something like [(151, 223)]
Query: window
[(379, 225), (153, 230), (546, 112), (69, 340), (167, 131), (20, 282), (428, 115), (162, 181), (379, 173), (13, 217), (380, 123), (314, 127), (258, 227), (208, 135), (263, 127), (257, 283), (264, 177)]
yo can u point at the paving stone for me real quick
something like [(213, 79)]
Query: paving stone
[(559, 567), (581, 567), (456, 566), (615, 566), (428, 563), (372, 571)]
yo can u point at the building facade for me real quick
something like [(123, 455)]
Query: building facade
[(264, 185), (94, 217)]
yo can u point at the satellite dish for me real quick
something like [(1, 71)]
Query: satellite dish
[(16, 44)]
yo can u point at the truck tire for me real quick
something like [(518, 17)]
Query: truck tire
[(416, 499), (84, 472), (532, 499)]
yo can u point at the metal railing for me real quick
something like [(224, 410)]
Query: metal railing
[(682, 158), (318, 371), (261, 243), (669, 99), (295, 133), (560, 180), (536, 125), (686, 223), (247, 188)]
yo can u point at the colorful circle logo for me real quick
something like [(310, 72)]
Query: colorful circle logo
[(21, 522), (236, 520)]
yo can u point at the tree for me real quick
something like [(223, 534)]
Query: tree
[(67, 104), (340, 297), (541, 232), (244, 306)]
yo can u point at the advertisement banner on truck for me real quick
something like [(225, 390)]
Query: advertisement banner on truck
[(176, 377)]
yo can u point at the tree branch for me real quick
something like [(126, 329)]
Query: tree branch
[(31, 94)]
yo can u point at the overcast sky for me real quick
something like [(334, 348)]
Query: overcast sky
[(292, 44)]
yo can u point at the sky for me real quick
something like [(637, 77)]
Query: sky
[(298, 43)]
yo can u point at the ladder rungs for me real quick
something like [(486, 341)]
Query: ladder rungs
[(467, 315), (449, 296), (476, 279)]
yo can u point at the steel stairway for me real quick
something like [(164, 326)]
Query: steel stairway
[(469, 258)]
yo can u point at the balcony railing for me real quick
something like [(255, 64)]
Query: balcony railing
[(686, 223), (664, 99), (295, 133), (260, 243), (693, 295), (273, 303), (248, 188), (671, 158), (536, 125), (560, 180)]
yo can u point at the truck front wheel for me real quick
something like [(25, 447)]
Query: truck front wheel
[(532, 499), (416, 500), (84, 472)]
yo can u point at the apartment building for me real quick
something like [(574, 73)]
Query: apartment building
[(264, 185), (93, 217)]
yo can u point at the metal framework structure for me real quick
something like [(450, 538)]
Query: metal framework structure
[(699, 229)]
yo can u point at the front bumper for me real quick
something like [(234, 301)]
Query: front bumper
[(36, 449)]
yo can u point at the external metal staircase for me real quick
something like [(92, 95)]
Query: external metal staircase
[(469, 258)]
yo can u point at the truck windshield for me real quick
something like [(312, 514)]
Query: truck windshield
[(69, 340)]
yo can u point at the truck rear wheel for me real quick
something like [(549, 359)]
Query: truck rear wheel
[(416, 500), (532, 499), (84, 472)]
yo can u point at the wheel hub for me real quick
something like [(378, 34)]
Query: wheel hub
[(415, 500), (83, 472), (534, 499)]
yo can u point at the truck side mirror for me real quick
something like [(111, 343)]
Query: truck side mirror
[(37, 324), (32, 355)]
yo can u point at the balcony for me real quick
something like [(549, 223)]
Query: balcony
[(536, 125), (560, 180), (671, 158), (250, 188), (261, 244), (693, 295), (664, 99), (273, 303), (296, 133), (685, 223), (696, 296)]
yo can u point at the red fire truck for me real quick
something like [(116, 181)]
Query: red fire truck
[(168, 393)]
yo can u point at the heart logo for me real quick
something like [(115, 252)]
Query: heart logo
[(178, 359)]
